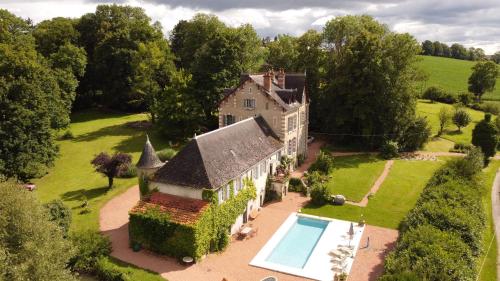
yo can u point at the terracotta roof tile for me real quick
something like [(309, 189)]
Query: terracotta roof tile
[(181, 210)]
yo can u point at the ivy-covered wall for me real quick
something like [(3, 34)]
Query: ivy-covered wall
[(153, 229)]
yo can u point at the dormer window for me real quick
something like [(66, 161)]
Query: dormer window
[(250, 90)]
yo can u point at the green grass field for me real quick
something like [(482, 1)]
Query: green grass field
[(450, 74), (431, 111), (72, 176), (353, 176), (397, 195), (488, 261)]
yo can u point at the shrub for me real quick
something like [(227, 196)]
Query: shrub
[(320, 194), (315, 178), (166, 154), (490, 108), (416, 136), (431, 254), (461, 118), (484, 135), (404, 276), (461, 147), (444, 117), (128, 172), (107, 271), (389, 150), (465, 98), (433, 93), (324, 163), (296, 185), (59, 214), (90, 247), (68, 135)]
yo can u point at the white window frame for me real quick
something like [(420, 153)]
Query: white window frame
[(249, 103)]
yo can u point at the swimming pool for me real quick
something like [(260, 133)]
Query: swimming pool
[(302, 245), (298, 243)]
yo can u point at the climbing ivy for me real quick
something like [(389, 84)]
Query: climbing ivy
[(153, 229)]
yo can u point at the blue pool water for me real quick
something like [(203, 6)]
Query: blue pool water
[(298, 243)]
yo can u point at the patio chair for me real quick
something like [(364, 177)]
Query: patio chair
[(254, 232)]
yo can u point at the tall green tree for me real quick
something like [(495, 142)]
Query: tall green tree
[(111, 37), (370, 81), (484, 135), (458, 51), (483, 78), (51, 34), (31, 247), (34, 99), (427, 48), (283, 53)]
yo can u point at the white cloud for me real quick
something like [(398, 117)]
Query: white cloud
[(472, 23)]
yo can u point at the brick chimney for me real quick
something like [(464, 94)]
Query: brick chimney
[(281, 78), (268, 80)]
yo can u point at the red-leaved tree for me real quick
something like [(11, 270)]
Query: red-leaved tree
[(111, 166)]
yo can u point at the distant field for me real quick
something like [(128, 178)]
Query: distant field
[(451, 75)]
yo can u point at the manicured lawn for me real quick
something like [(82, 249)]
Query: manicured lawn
[(431, 111), (439, 145), (394, 199), (489, 269), (72, 178), (451, 75), (354, 175)]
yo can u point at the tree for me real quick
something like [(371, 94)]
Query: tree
[(416, 135), (461, 119), (428, 48), (283, 53), (59, 214), (444, 117), (483, 78), (438, 49), (484, 135), (111, 166), (496, 57), (111, 37), (458, 51), (31, 103), (31, 247), (446, 50), (310, 59), (178, 112), (367, 66), (433, 93), (51, 34)]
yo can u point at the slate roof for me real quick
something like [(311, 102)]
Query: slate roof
[(213, 159), (148, 159), (287, 97), (182, 210)]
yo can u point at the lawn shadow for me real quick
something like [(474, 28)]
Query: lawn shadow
[(115, 130), (454, 133), (378, 270), (95, 114), (77, 195)]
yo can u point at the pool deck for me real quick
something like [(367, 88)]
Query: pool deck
[(233, 263), (318, 265)]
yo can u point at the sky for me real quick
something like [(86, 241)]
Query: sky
[(469, 22)]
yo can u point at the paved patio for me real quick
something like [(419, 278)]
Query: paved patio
[(233, 264)]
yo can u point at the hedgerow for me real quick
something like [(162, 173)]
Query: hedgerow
[(442, 236), (154, 229)]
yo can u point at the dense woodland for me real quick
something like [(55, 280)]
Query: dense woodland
[(117, 58)]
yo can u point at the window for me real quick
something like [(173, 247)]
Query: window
[(255, 172), (229, 119), (263, 167), (275, 121), (249, 103), (267, 105), (228, 191), (292, 123), (250, 90), (220, 195), (292, 145), (303, 117)]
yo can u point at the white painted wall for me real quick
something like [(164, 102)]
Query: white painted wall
[(183, 191)]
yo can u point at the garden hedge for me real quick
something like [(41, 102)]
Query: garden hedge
[(154, 229), (442, 236)]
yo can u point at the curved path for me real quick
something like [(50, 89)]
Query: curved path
[(376, 185)]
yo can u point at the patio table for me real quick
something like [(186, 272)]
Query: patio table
[(246, 230)]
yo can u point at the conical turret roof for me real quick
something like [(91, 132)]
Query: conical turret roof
[(149, 159)]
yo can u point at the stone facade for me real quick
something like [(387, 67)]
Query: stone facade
[(289, 124)]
